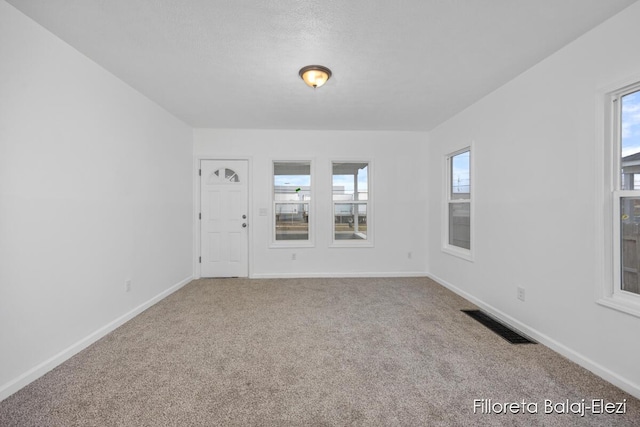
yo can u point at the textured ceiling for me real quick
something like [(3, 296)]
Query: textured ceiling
[(397, 65)]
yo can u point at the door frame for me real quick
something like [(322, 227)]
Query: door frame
[(197, 225)]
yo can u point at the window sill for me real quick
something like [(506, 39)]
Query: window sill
[(626, 303), (351, 244), (290, 244), (465, 254)]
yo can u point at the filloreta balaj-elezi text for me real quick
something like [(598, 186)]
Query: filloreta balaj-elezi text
[(580, 407)]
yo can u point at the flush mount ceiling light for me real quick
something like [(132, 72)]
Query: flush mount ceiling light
[(315, 75)]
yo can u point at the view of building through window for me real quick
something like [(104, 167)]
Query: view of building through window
[(460, 178), (630, 179), (291, 198), (350, 182), (459, 220)]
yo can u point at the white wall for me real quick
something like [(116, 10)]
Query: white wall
[(536, 208), (95, 188), (397, 183)]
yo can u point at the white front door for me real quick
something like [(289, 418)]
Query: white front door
[(224, 222)]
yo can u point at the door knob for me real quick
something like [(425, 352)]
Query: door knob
[(244, 225)]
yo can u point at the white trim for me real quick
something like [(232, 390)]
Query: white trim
[(323, 275), (574, 356), (36, 372), (196, 219), (625, 304), (603, 186), (458, 252), (369, 241), (446, 247)]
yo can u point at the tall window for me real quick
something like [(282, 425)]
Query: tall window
[(626, 195), (291, 201), (351, 203), (458, 206)]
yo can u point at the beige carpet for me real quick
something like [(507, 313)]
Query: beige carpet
[(320, 352)]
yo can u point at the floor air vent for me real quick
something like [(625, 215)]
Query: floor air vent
[(504, 331)]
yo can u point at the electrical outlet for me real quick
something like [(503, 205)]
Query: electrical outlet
[(409, 255), (520, 293), (127, 285), (293, 257)]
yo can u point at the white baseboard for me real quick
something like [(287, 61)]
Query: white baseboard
[(337, 275), (36, 372), (601, 371)]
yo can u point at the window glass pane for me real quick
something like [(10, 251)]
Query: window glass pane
[(291, 196), (350, 221), (630, 245), (292, 221), (291, 181), (460, 176), (350, 181), (460, 225), (231, 176), (630, 140)]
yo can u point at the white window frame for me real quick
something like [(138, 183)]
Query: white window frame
[(365, 243), (466, 254), (311, 209), (609, 286)]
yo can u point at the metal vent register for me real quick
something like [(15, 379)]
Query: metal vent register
[(504, 331)]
